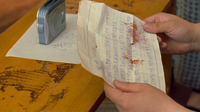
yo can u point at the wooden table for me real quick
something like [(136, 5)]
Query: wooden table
[(33, 85)]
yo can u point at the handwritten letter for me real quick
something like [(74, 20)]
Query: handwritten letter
[(113, 45)]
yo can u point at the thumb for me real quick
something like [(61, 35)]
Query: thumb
[(161, 27), (126, 86)]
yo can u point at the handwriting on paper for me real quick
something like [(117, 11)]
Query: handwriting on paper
[(113, 45), (62, 49)]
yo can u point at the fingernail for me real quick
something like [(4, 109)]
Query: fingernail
[(148, 26), (163, 45), (117, 82)]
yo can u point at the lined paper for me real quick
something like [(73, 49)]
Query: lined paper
[(113, 45)]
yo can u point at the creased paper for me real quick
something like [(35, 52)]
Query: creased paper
[(113, 45)]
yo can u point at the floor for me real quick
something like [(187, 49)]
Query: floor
[(107, 106), (181, 94), (185, 96)]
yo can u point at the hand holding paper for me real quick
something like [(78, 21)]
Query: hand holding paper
[(113, 45)]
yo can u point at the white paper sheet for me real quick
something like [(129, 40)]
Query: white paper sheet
[(62, 49), (113, 45)]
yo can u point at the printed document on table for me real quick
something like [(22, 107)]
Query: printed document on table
[(62, 49), (113, 45)]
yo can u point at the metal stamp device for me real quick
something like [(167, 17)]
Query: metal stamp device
[(51, 20)]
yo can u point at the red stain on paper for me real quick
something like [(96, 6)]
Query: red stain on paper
[(134, 26), (137, 62), (144, 41), (132, 32), (126, 57), (134, 62)]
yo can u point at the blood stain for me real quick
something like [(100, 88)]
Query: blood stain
[(137, 62), (126, 57), (132, 32)]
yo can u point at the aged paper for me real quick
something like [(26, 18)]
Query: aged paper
[(62, 49), (113, 45)]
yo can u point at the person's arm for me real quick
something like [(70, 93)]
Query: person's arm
[(197, 39), (175, 35), (12, 10), (140, 97)]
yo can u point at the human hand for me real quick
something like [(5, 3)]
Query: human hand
[(175, 35), (140, 97)]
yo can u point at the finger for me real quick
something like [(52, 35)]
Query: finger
[(163, 45), (112, 93), (159, 40), (163, 48), (165, 51), (127, 86), (159, 17), (161, 27), (151, 19)]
